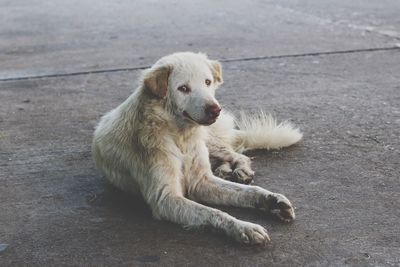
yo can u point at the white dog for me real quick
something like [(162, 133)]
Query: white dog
[(166, 140)]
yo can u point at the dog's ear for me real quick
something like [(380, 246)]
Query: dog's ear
[(216, 70), (156, 81)]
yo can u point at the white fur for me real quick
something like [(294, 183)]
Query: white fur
[(256, 131), (262, 131), (156, 144)]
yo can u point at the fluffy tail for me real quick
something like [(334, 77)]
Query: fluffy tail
[(262, 131)]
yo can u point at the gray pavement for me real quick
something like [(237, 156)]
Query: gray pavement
[(56, 209)]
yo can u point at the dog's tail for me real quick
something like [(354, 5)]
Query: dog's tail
[(262, 131)]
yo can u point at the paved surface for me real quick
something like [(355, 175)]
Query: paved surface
[(56, 209)]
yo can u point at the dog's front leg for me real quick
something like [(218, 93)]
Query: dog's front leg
[(168, 203), (214, 190), (191, 214)]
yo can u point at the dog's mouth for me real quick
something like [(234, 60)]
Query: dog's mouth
[(205, 123)]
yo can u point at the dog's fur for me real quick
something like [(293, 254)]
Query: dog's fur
[(162, 143)]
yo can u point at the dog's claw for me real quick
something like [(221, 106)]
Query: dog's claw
[(249, 233), (224, 171), (242, 176), (286, 215), (280, 206)]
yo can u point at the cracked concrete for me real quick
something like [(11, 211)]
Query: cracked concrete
[(58, 36), (56, 209), (135, 68)]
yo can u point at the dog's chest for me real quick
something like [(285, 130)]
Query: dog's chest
[(186, 152), (192, 153), (192, 167)]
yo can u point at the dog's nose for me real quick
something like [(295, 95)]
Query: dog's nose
[(212, 111)]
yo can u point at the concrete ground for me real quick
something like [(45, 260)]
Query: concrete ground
[(332, 67)]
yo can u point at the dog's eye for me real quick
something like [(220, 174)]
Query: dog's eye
[(208, 82), (184, 89)]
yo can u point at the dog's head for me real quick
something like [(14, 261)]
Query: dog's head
[(187, 81)]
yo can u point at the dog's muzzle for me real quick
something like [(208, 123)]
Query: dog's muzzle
[(212, 112)]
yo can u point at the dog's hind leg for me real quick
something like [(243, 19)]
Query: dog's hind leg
[(229, 164), (213, 190), (225, 161)]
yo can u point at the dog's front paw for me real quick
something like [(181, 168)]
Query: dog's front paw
[(279, 205), (249, 233)]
